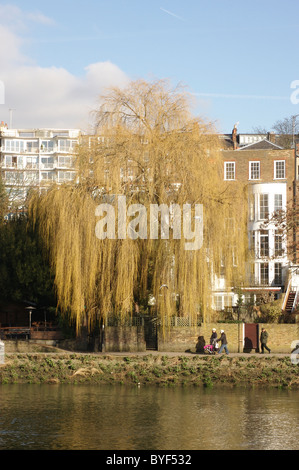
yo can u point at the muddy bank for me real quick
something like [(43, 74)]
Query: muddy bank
[(142, 370)]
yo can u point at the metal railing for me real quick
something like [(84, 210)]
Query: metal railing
[(140, 321)]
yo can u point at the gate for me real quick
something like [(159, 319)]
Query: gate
[(251, 337), (150, 333)]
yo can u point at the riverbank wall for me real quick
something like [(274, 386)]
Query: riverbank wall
[(166, 370), (182, 338)]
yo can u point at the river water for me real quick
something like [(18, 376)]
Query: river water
[(80, 417)]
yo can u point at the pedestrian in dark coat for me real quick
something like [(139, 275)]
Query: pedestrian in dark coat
[(264, 339), (223, 342)]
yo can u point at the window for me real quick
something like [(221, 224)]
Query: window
[(10, 176), (31, 162), (14, 177), (229, 170), (228, 301), (264, 273), (14, 146), (47, 146), (31, 177), (222, 301), (47, 162), (218, 302), (47, 175), (278, 249), (66, 162), (279, 169), (11, 162), (264, 206), (264, 243), (32, 147), (278, 274), (66, 145), (254, 170), (16, 193), (277, 202), (66, 175), (252, 241)]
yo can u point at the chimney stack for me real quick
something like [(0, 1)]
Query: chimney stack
[(234, 136), (271, 137)]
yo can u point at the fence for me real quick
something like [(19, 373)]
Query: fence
[(140, 321)]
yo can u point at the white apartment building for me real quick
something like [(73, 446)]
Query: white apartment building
[(35, 158)]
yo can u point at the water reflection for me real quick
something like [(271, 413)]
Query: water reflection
[(122, 418)]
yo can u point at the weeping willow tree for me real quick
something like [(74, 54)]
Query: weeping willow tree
[(149, 149)]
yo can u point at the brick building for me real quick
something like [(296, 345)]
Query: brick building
[(269, 173)]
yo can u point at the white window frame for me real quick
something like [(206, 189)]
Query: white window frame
[(264, 268), (264, 244), (278, 170), (226, 170), (278, 244), (278, 198), (251, 170), (260, 212), (47, 176), (65, 175), (277, 274), (65, 161), (218, 303)]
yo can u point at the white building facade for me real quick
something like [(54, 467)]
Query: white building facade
[(35, 158)]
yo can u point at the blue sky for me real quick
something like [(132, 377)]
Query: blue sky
[(238, 58)]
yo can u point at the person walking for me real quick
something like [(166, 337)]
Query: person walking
[(224, 343), (264, 340)]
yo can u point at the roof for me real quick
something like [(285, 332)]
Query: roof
[(226, 141), (263, 144)]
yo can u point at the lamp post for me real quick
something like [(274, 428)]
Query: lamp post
[(30, 313)]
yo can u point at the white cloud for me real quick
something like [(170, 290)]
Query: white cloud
[(10, 50), (15, 18), (38, 17), (48, 96), (53, 97)]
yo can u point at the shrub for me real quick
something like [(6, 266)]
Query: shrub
[(271, 311)]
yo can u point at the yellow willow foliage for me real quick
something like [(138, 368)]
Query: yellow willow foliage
[(90, 275), (150, 149)]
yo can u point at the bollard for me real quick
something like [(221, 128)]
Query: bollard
[(1, 352)]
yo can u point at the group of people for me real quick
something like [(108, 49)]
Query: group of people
[(214, 341)]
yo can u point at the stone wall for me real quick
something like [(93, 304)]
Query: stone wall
[(181, 339), (46, 335), (28, 346), (281, 336), (124, 338), (174, 339)]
